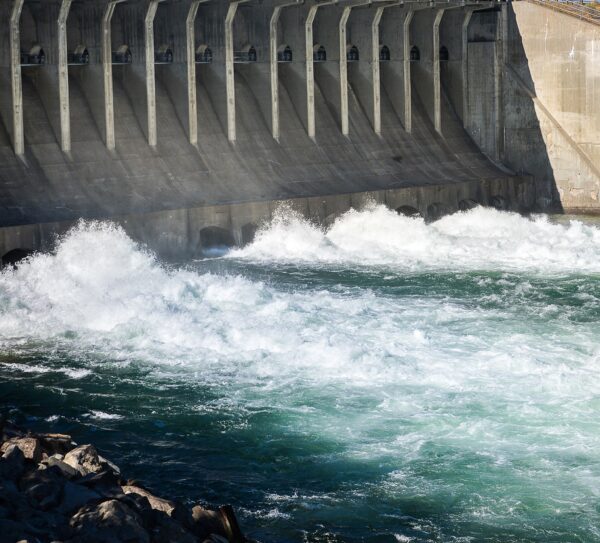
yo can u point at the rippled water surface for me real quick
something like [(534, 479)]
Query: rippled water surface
[(384, 380)]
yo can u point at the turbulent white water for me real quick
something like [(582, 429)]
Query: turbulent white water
[(480, 239), (477, 334)]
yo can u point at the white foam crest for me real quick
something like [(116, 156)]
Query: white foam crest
[(479, 239)]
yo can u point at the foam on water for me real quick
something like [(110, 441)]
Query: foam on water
[(479, 239), (429, 384)]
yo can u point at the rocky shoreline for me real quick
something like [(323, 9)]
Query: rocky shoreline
[(52, 490)]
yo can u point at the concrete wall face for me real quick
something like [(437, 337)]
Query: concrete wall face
[(91, 181), (553, 85)]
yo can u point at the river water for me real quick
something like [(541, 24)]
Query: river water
[(382, 380)]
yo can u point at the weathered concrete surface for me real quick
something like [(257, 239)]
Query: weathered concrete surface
[(91, 181), (176, 234), (553, 91)]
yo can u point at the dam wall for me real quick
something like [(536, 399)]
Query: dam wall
[(373, 98), (552, 97)]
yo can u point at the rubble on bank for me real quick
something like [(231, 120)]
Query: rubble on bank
[(52, 490)]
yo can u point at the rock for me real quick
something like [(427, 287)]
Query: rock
[(158, 504), (206, 522), (113, 467), (84, 459), (56, 443), (43, 488), (108, 522), (68, 471), (76, 496), (12, 531), (168, 531), (12, 463), (230, 523), (30, 447)]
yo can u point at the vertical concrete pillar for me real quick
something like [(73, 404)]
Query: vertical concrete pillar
[(150, 76), (274, 66), (310, 66), (230, 69), (106, 57), (63, 77), (274, 71), (310, 71), (344, 70), (437, 91), (465, 66), (376, 68), (15, 78), (501, 54), (190, 35), (407, 79)]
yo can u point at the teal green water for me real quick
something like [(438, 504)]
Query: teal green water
[(384, 380)]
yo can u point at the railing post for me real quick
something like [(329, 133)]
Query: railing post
[(63, 77), (15, 79)]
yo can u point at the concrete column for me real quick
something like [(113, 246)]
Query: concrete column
[(437, 91), (150, 76), (230, 69), (310, 66), (344, 70), (15, 78), (274, 72), (376, 70), (310, 71), (191, 71), (407, 80), (465, 66), (501, 55), (273, 45), (106, 57), (63, 77)]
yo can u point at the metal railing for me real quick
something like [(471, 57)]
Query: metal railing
[(587, 11)]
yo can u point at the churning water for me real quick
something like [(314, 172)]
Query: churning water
[(383, 380)]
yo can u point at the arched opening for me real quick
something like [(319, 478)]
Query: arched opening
[(79, 56), (319, 53), (245, 54), (352, 53), (122, 55), (284, 53), (408, 211), (415, 54), (164, 55), (467, 204), (215, 241), (204, 54), (444, 55), (499, 202), (384, 53), (248, 233), (436, 211), (34, 57), (12, 258)]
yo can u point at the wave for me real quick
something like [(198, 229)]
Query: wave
[(479, 239)]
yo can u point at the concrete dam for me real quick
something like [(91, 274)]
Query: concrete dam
[(189, 121)]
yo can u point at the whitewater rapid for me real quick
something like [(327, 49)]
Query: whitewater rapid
[(455, 362), (481, 239)]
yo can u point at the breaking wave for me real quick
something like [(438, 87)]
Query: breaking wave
[(479, 239)]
